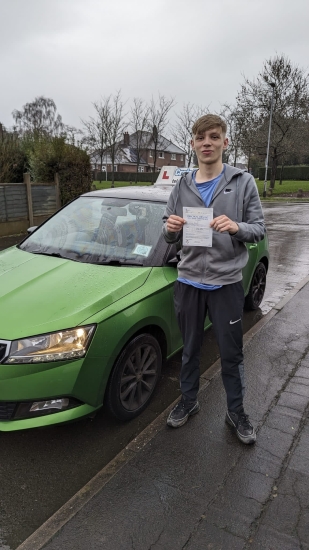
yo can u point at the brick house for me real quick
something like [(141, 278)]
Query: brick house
[(168, 154), (125, 161)]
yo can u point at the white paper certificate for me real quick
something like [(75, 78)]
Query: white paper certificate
[(196, 232)]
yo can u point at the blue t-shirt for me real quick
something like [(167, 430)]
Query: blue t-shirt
[(206, 190)]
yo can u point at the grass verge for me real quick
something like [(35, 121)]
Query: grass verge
[(288, 187)]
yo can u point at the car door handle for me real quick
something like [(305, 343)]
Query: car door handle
[(252, 246)]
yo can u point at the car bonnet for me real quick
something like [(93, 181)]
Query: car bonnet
[(40, 294)]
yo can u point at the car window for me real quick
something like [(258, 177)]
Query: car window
[(98, 230)]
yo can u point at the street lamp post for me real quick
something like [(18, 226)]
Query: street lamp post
[(273, 85), (105, 138)]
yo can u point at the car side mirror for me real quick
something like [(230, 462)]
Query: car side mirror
[(173, 256), (31, 229), (173, 262)]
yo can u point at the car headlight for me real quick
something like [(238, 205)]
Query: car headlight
[(57, 346)]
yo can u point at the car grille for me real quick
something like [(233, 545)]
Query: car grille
[(7, 410)]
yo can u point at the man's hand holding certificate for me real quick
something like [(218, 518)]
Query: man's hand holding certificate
[(201, 223), (197, 230)]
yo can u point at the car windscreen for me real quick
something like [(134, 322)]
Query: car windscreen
[(101, 230)]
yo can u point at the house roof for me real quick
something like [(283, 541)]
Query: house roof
[(164, 144), (131, 155), (127, 154)]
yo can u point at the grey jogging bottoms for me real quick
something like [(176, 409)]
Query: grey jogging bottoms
[(225, 310)]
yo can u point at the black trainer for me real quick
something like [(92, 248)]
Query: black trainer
[(244, 429), (181, 412)]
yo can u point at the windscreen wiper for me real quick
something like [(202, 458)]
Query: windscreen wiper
[(54, 254), (118, 262)]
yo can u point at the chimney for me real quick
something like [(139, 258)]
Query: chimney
[(126, 139)]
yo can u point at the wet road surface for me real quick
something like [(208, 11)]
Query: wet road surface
[(41, 469), (287, 227)]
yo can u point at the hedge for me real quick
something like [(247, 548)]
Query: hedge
[(13, 160), (299, 173), (124, 176), (54, 155)]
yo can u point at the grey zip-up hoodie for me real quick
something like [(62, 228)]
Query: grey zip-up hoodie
[(237, 197)]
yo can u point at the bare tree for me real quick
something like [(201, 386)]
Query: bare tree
[(103, 132), (182, 129), (241, 131), (95, 132), (232, 119), (139, 122), (39, 118), (158, 113), (296, 149), (116, 125), (72, 135), (290, 112)]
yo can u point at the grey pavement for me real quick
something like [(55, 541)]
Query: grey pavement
[(198, 487)]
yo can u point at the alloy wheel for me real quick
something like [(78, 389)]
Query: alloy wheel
[(258, 285), (139, 376)]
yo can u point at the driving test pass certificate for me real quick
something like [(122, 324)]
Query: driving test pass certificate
[(196, 232)]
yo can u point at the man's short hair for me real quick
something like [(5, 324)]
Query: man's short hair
[(207, 122)]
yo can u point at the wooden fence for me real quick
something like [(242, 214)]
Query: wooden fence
[(25, 204)]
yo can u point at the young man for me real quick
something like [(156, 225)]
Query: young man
[(210, 278)]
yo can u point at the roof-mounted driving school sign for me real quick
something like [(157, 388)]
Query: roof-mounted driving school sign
[(169, 175)]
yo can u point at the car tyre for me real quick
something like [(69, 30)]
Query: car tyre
[(257, 288), (134, 377)]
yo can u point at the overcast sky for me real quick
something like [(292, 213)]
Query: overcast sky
[(75, 51)]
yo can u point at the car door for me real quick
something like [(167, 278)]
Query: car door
[(248, 270)]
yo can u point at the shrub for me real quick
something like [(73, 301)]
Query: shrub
[(12, 159), (53, 155)]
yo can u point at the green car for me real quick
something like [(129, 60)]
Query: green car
[(87, 312)]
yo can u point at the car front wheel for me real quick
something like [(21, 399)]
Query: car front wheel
[(257, 287), (134, 377)]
